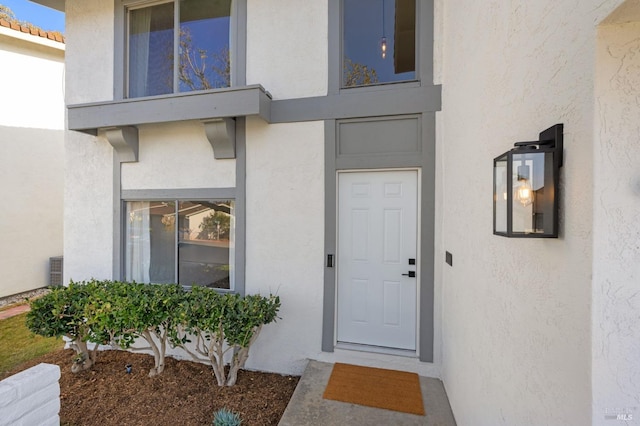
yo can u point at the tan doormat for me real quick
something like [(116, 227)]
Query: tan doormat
[(375, 387)]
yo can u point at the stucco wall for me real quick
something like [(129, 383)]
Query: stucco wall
[(177, 155), (287, 54), (285, 238), (31, 159), (89, 27), (32, 81), (616, 204), (31, 172), (89, 171), (287, 47), (285, 196), (516, 336), (88, 207)]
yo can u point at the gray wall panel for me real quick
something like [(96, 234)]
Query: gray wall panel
[(382, 136)]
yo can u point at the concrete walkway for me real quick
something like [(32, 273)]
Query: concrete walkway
[(308, 408), (13, 311)]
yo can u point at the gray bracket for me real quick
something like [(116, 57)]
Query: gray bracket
[(125, 142), (221, 134)]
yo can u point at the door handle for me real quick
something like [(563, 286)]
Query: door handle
[(411, 274)]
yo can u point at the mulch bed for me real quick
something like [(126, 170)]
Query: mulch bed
[(184, 394)]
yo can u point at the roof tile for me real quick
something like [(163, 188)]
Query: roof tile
[(51, 35)]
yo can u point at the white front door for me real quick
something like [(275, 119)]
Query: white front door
[(377, 242)]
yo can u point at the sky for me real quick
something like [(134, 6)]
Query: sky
[(41, 16)]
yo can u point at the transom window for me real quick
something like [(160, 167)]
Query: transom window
[(186, 242), (378, 42), (178, 46)]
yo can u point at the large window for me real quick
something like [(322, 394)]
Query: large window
[(378, 42), (188, 242), (178, 46)]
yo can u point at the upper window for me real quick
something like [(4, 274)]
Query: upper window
[(379, 42), (188, 242), (178, 46)]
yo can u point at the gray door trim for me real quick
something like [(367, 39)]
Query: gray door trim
[(427, 238), (426, 162), (330, 237)]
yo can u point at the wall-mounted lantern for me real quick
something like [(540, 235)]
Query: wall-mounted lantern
[(525, 187)]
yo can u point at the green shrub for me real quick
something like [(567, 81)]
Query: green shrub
[(224, 326), (224, 417), (63, 312), (214, 319), (141, 310)]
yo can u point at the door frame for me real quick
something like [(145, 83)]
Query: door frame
[(422, 158), (418, 254)]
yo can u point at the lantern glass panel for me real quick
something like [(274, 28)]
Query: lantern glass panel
[(500, 194), (532, 180)]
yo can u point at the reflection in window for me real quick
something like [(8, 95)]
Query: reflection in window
[(189, 242), (378, 42), (196, 57)]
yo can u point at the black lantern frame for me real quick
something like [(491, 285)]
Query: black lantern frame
[(526, 187)]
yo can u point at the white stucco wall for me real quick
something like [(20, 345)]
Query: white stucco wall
[(88, 208), (516, 325), (285, 238), (32, 81), (287, 47), (177, 155), (89, 31), (616, 204), (31, 159), (89, 171), (31, 172)]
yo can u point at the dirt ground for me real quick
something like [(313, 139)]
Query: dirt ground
[(184, 394)]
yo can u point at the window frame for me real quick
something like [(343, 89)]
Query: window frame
[(237, 46), (178, 195), (423, 50)]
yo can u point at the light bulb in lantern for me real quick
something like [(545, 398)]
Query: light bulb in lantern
[(524, 192), (383, 47)]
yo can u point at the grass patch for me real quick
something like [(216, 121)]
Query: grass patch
[(18, 344)]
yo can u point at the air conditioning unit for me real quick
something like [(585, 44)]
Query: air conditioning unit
[(55, 271)]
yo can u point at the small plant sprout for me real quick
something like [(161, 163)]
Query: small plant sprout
[(224, 417)]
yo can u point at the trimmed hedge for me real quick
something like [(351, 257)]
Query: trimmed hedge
[(223, 326)]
